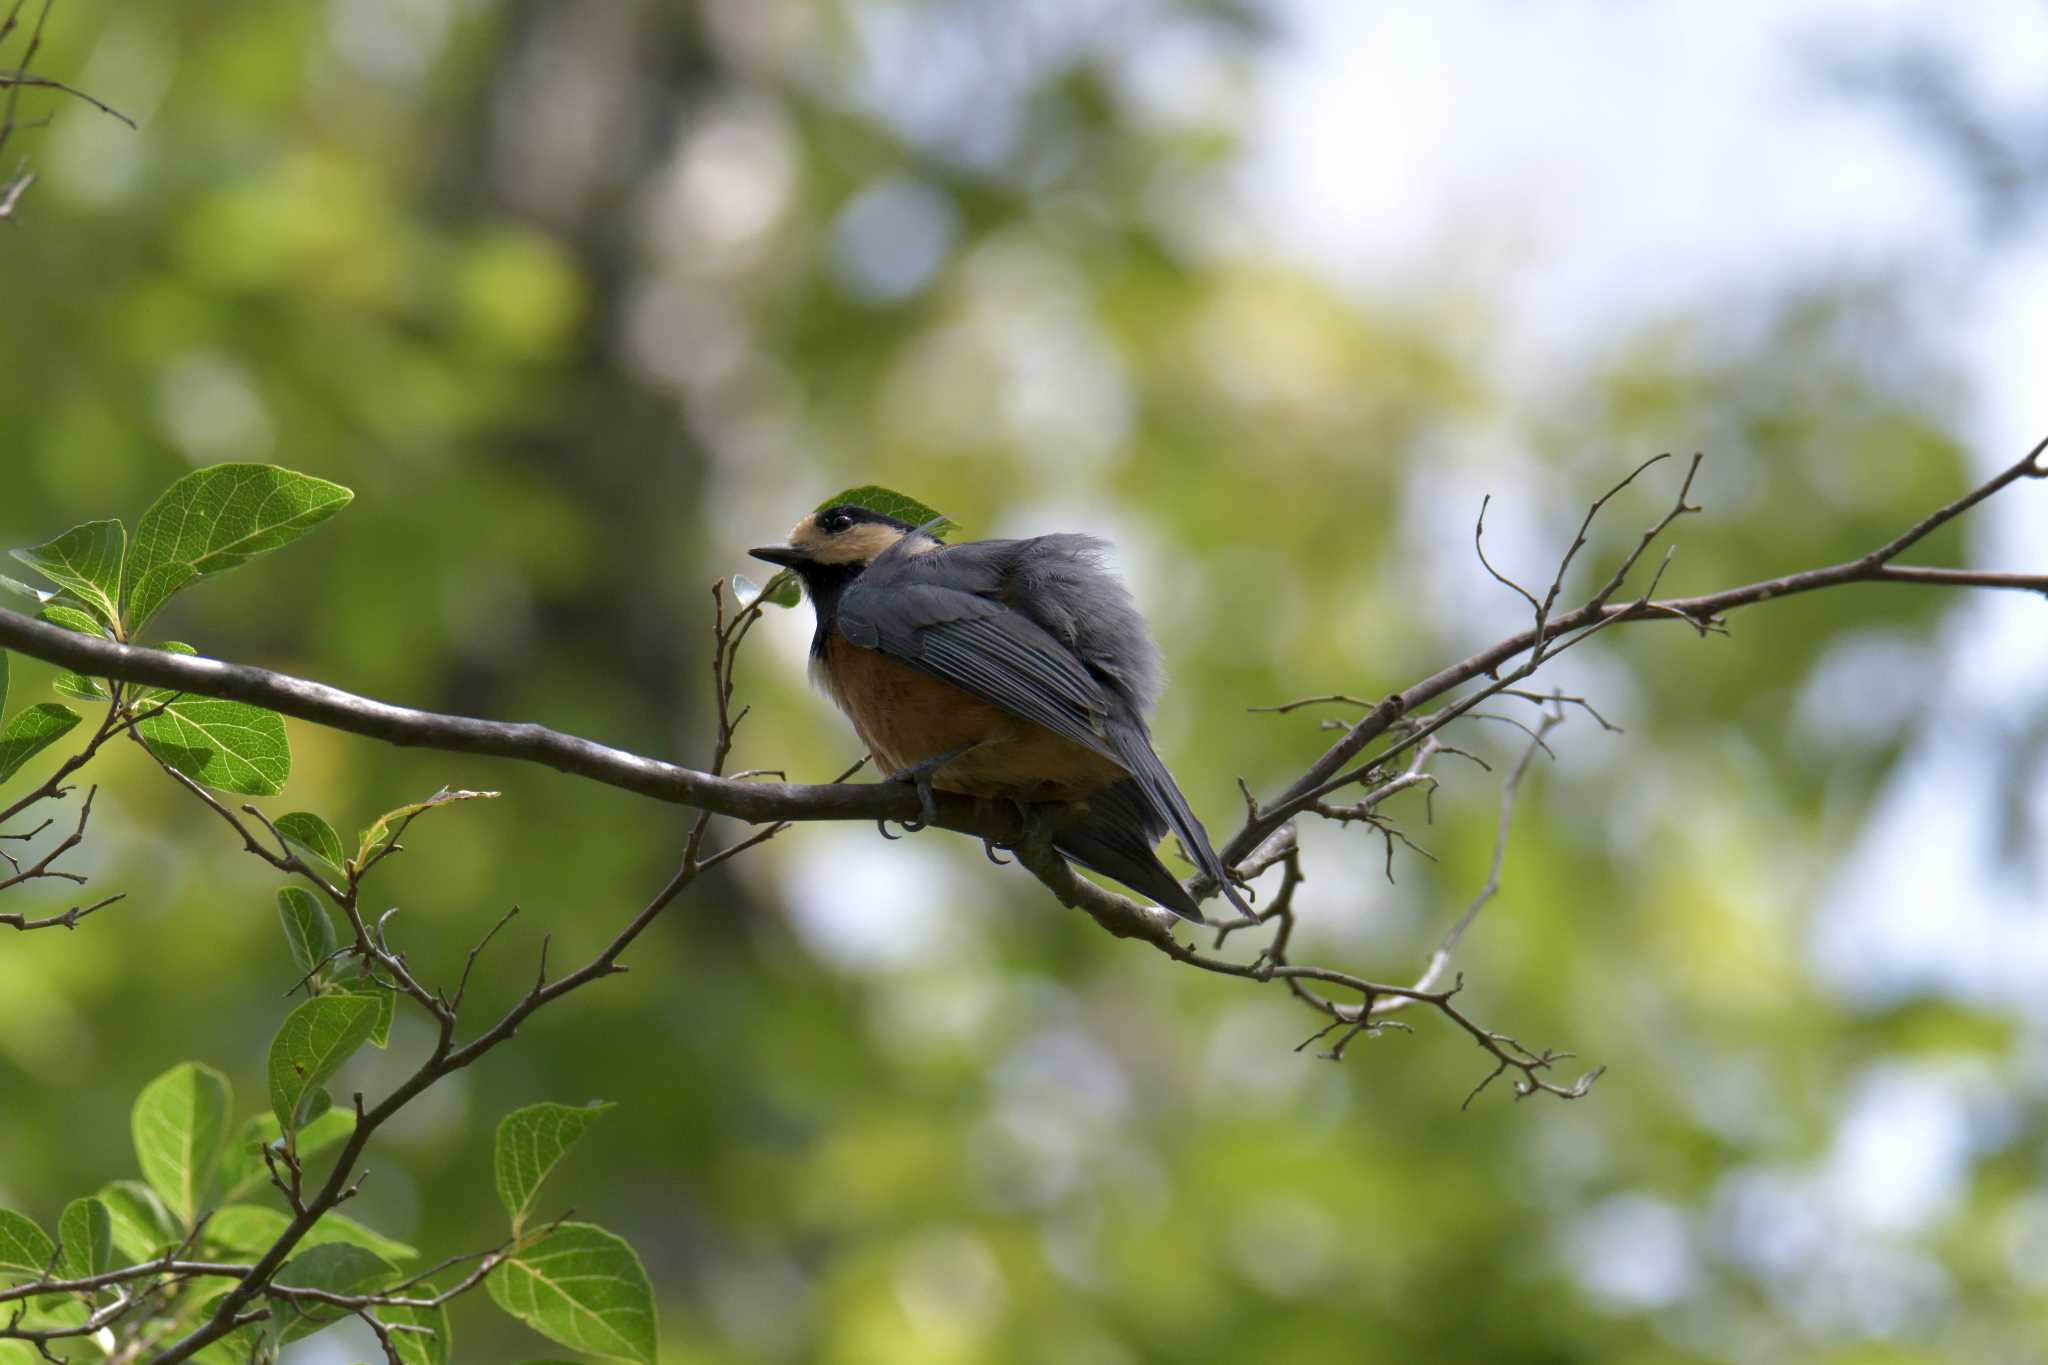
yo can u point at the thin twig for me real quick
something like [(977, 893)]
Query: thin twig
[(1510, 787)]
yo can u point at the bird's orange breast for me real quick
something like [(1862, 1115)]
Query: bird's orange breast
[(905, 716)]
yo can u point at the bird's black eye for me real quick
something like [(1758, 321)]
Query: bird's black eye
[(832, 523)]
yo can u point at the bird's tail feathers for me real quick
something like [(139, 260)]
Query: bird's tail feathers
[(1134, 746), (1117, 838)]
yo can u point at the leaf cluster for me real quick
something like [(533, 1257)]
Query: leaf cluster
[(221, 1205), (110, 585), (220, 1199), (197, 1202)]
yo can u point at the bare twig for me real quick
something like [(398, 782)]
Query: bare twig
[(1510, 787), (1321, 699), (45, 866), (19, 78), (23, 78), (1479, 549), (68, 920)]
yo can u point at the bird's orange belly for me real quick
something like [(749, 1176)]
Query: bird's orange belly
[(905, 716)]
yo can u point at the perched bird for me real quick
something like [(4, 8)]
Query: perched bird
[(1011, 669)]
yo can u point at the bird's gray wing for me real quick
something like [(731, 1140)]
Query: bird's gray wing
[(981, 646)]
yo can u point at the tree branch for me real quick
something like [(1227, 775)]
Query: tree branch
[(759, 802), (742, 798)]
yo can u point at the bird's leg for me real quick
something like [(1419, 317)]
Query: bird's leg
[(919, 775), (1037, 823), (1030, 818)]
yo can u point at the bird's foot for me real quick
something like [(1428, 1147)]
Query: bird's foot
[(919, 775), (1033, 822)]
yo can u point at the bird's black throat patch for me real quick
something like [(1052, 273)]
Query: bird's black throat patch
[(824, 583)]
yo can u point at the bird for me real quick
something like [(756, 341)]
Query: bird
[(1006, 669)]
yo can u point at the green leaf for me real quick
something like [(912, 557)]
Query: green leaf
[(890, 503), (583, 1287), (386, 1000), (308, 931), (253, 1227), (336, 1227), (246, 1227), (179, 1123), (390, 822), (315, 1040), (86, 560), (242, 1168), (338, 1268), (530, 1142), (33, 729), (142, 1225), (85, 1234), (227, 745), (72, 619), (25, 1250), (310, 834), (316, 1104), (321, 1130), (213, 519), (67, 683), (415, 1348), (79, 687)]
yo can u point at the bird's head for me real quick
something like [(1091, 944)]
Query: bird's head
[(839, 541)]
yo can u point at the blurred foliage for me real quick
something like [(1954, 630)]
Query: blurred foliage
[(584, 300)]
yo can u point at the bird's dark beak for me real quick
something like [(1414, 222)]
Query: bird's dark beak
[(777, 554)]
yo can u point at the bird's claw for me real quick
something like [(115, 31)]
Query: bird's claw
[(927, 808), (919, 776), (1032, 824)]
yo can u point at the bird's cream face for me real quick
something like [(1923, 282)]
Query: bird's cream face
[(859, 543), (839, 538)]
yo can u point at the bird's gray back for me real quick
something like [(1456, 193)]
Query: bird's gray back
[(1060, 583)]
